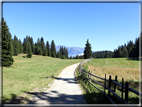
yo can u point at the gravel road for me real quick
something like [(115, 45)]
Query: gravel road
[(64, 90)]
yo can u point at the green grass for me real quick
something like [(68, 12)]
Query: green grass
[(120, 67), (28, 74)]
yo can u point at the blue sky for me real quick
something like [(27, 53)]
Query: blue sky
[(106, 25)]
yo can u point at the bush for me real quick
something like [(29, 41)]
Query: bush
[(24, 56), (63, 57), (29, 56)]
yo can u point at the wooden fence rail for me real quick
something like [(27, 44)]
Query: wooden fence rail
[(87, 76)]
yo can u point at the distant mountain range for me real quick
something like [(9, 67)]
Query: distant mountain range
[(72, 51)]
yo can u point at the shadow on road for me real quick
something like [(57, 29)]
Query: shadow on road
[(54, 97), (69, 80)]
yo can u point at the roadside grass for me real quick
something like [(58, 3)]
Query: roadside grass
[(120, 67), (27, 74), (91, 94)]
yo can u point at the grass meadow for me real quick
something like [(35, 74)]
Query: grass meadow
[(126, 68), (31, 74)]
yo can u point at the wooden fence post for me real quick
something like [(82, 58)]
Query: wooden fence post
[(122, 89), (105, 88), (114, 86), (90, 75), (126, 91), (109, 85)]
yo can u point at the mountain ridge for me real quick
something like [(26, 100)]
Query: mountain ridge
[(72, 51)]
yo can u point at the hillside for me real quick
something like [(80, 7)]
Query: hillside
[(28, 74)]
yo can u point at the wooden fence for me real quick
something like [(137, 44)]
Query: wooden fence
[(87, 76)]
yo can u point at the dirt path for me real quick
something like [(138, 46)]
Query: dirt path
[(64, 90)]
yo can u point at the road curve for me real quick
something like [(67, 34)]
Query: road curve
[(64, 90)]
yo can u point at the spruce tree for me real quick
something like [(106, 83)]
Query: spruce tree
[(7, 59), (125, 52), (16, 45), (77, 57), (29, 51), (53, 49), (15, 52), (49, 53), (87, 51), (44, 51), (58, 55), (48, 48)]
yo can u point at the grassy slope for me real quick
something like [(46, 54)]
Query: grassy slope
[(122, 67), (30, 72)]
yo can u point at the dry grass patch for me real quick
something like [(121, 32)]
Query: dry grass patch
[(20, 61), (126, 73)]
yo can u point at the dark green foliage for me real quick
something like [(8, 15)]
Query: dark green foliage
[(29, 50), (64, 51), (15, 52), (53, 54), (81, 57), (12, 46), (63, 57), (125, 52), (77, 57), (53, 49), (129, 50), (106, 54), (70, 57), (7, 59), (49, 53), (16, 44), (58, 55), (42, 45), (44, 51), (20, 46), (48, 48), (25, 45), (87, 50), (102, 54), (40, 51)]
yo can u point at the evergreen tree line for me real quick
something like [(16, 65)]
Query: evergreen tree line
[(77, 57), (129, 50), (37, 48)]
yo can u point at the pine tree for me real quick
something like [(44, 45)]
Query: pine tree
[(25, 45), (53, 49), (16, 45), (15, 52), (77, 57), (29, 50), (87, 51), (47, 47), (106, 54), (70, 57), (44, 51), (58, 55), (7, 59), (136, 47), (20, 46), (42, 44), (125, 52), (12, 45), (49, 53)]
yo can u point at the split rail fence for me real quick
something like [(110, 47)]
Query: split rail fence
[(124, 88)]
